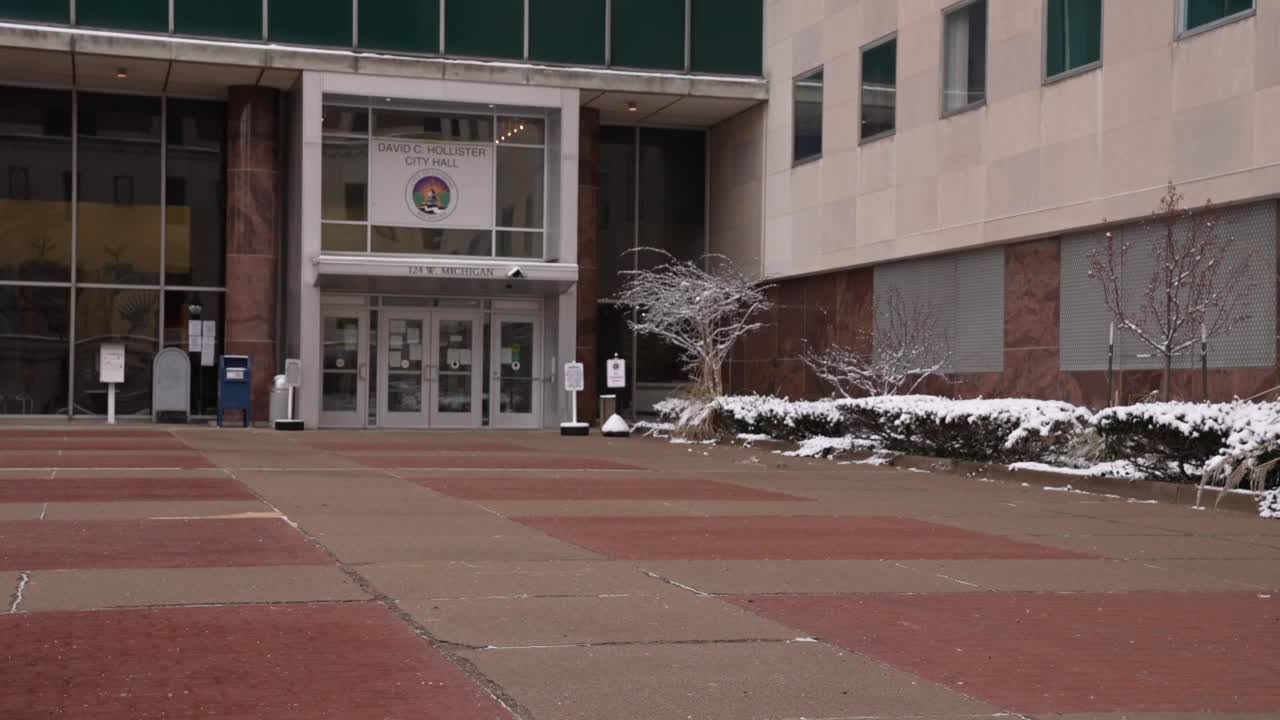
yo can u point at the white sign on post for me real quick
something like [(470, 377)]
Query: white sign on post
[(111, 372), (293, 372), (574, 377), (616, 373), (194, 335), (431, 184), (111, 363)]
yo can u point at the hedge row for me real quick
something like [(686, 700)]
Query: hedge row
[(1171, 441)]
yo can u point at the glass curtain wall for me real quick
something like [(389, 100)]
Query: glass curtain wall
[(652, 197), (127, 253), (518, 225)]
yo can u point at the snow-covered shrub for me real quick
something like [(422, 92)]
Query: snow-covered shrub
[(1269, 504), (672, 408), (998, 430), (1251, 451), (690, 419), (778, 418), (1170, 441), (782, 419)]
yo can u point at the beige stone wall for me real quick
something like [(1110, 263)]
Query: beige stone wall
[(1037, 158), (736, 184)]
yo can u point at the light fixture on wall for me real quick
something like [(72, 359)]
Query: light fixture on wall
[(631, 106), (122, 73)]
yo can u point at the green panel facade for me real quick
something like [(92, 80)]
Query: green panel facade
[(649, 34), (310, 22), (224, 18), (567, 31), (727, 36), (399, 26), (56, 11), (149, 15), (494, 28)]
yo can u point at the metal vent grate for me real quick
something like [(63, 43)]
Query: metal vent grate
[(1085, 318)]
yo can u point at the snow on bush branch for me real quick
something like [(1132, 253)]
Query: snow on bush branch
[(907, 347), (702, 311), (1189, 294)]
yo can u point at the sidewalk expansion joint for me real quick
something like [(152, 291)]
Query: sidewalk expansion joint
[(673, 583), (23, 579), (649, 643), (448, 649)]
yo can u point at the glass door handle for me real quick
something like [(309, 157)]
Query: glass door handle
[(362, 372)]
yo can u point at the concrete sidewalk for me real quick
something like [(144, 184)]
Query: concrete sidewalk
[(250, 574)]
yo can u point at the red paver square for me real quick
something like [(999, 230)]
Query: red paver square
[(1064, 653), (94, 442), (176, 460), (89, 544), (478, 461), (121, 488), (427, 444), (73, 434), (784, 538), (284, 662), (607, 487)]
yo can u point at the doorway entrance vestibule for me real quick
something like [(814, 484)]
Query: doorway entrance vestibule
[(430, 367)]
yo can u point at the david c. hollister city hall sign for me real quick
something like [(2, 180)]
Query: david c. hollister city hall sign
[(430, 184)]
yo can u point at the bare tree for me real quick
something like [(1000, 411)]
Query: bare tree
[(1190, 293), (907, 347), (702, 309)]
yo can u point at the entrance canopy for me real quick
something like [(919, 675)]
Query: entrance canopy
[(443, 275)]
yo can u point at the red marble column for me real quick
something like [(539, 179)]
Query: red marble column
[(588, 263), (254, 208)]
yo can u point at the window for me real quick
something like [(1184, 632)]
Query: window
[(352, 220), (1073, 35), (1198, 13), (964, 56), (807, 133), (879, 88), (145, 241)]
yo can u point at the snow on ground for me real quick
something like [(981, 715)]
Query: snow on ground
[(1114, 469), (828, 446)]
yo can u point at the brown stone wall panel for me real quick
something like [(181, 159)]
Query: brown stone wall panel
[(252, 128), (759, 376), (264, 369), (588, 226), (853, 307), (589, 147), (251, 285), (1031, 373), (791, 378), (1032, 279), (252, 206), (1087, 388), (737, 377)]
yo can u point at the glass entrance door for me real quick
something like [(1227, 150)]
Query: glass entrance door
[(344, 362), (402, 368), (455, 372), (516, 374)]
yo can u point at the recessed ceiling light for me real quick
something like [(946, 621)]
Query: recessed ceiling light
[(122, 72)]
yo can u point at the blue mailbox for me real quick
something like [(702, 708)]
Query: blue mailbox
[(235, 383)]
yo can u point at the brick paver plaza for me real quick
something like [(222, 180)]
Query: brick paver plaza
[(197, 573)]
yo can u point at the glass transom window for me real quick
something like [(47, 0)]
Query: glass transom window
[(431, 182)]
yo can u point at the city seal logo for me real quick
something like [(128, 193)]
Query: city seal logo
[(431, 195)]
